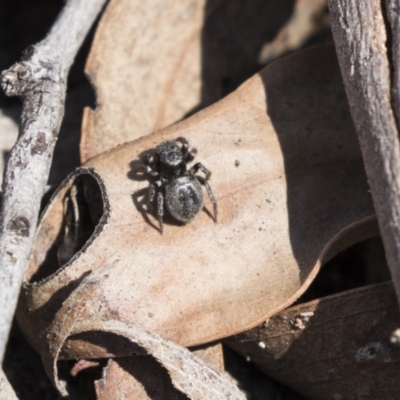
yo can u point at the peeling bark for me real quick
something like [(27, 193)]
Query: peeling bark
[(361, 37)]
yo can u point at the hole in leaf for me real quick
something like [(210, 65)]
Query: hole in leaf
[(68, 225)]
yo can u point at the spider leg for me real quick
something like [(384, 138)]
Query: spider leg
[(152, 195), (188, 153), (150, 165), (199, 166), (150, 159), (153, 190), (160, 209), (184, 142), (150, 171), (210, 195)]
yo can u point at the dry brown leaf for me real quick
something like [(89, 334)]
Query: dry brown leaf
[(139, 378), (154, 62), (334, 348), (288, 177), (189, 374), (142, 378), (212, 354), (309, 18), (135, 75)]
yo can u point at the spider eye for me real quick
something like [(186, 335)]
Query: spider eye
[(173, 156)]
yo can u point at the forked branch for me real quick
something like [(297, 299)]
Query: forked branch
[(40, 78)]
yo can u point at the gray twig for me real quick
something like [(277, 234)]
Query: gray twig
[(40, 78), (368, 69), (6, 390)]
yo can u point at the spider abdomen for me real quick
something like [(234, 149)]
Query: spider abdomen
[(184, 198)]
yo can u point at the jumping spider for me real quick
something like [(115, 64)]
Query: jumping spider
[(177, 187)]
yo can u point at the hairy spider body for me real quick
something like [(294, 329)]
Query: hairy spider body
[(185, 198), (177, 189)]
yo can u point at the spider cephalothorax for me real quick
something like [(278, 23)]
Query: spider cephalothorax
[(177, 188)]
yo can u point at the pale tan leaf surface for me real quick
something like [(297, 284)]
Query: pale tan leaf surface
[(336, 347), (189, 374), (154, 62), (288, 178)]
